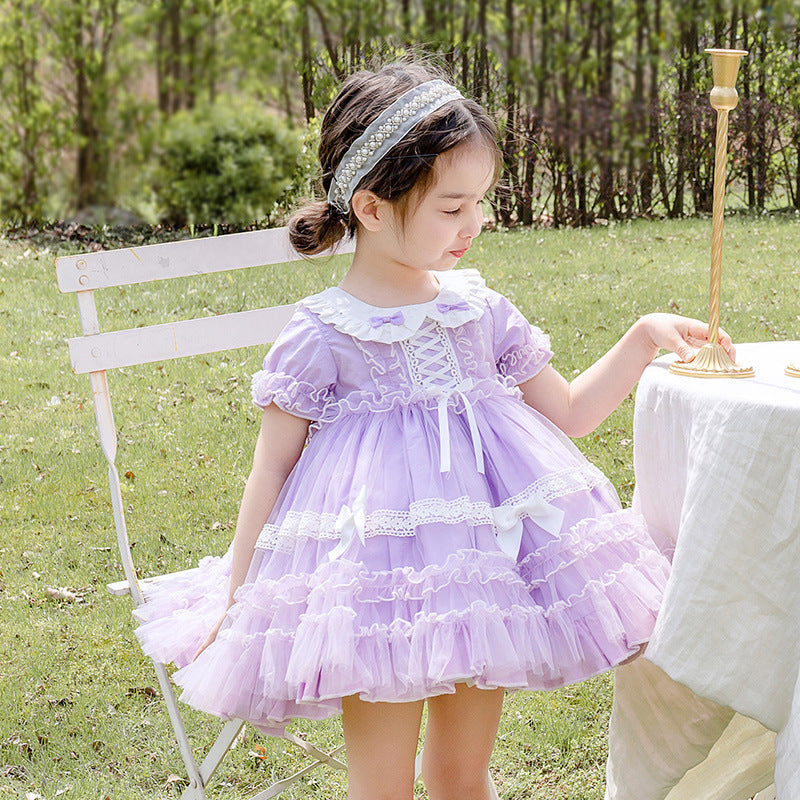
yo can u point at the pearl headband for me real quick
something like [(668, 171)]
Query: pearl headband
[(382, 134)]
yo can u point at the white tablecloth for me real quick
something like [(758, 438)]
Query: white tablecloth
[(717, 466)]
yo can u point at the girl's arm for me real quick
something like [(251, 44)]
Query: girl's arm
[(279, 444), (580, 406)]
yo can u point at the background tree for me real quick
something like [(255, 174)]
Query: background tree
[(602, 104), (28, 130)]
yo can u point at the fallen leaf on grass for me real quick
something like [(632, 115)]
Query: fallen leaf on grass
[(258, 752), (62, 593), (148, 691), (24, 747)]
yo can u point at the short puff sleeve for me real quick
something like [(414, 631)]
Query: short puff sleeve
[(521, 350), (298, 373)]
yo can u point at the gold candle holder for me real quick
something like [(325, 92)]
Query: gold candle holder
[(712, 360), (793, 371)]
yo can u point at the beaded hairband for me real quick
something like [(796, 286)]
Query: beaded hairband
[(382, 134)]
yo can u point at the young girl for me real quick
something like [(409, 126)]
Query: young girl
[(416, 526)]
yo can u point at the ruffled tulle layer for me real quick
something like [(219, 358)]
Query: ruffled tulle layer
[(296, 643)]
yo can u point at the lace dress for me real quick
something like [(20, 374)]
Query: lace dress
[(435, 529)]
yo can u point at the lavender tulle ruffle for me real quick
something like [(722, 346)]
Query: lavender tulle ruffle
[(296, 644)]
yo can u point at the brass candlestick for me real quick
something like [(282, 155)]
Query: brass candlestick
[(793, 371), (712, 360)]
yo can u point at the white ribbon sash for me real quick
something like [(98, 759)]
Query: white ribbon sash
[(444, 428)]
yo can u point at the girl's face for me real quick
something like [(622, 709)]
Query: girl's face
[(442, 223)]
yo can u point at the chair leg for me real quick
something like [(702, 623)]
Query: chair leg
[(280, 786), (324, 758), (196, 782), (218, 750)]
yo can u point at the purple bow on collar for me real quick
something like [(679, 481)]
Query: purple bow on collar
[(461, 305), (390, 319)]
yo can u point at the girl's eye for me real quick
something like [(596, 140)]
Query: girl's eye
[(454, 212)]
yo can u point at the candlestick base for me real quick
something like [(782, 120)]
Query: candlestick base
[(711, 361), (792, 370)]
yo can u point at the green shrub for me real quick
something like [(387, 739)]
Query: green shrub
[(223, 164), (305, 185)]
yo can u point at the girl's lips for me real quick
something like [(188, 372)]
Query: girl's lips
[(458, 253)]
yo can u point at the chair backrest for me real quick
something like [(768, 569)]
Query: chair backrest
[(97, 351), (84, 273)]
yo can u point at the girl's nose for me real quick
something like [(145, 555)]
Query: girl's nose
[(473, 226)]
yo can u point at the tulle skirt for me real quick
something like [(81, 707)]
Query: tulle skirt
[(378, 575)]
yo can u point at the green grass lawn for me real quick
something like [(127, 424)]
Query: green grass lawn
[(80, 717)]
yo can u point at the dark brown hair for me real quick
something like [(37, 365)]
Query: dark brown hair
[(407, 166)]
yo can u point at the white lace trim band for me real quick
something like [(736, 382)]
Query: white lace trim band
[(383, 133), (394, 522)]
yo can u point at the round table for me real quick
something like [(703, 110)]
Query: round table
[(717, 465)]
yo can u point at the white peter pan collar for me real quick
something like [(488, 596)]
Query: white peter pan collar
[(461, 298)]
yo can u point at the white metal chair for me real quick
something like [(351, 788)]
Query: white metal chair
[(96, 352)]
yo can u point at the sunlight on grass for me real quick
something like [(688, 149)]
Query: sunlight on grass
[(81, 713)]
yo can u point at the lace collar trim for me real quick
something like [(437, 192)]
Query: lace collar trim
[(460, 299)]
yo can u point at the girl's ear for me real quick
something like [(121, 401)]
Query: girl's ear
[(370, 210)]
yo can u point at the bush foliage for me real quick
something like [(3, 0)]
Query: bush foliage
[(224, 164)]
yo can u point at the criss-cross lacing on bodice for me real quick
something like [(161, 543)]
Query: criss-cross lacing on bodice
[(433, 366)]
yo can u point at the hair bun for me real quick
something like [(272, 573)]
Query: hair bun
[(316, 227)]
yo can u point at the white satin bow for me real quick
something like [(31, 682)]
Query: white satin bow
[(350, 523), (508, 521), (444, 427)]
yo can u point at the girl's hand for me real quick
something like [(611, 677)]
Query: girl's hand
[(211, 636), (579, 406), (680, 335)]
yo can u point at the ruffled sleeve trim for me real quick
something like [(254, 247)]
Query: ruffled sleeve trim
[(294, 396), (527, 360), (521, 350), (460, 299)]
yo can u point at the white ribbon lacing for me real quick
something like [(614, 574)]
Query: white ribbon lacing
[(444, 427)]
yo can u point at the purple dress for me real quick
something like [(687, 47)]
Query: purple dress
[(435, 529)]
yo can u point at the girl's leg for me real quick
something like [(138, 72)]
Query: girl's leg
[(381, 742), (459, 739)]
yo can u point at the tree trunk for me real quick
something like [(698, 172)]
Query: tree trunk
[(465, 45), (605, 58), (507, 190), (762, 154), (639, 153), (307, 65), (750, 177), (684, 103), (86, 193), (796, 128), (480, 75)]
